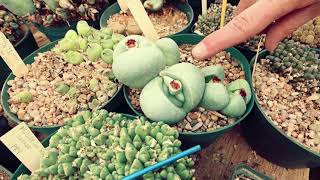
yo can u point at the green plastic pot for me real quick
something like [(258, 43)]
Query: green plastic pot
[(24, 47), (184, 7), (205, 138), (5, 170), (272, 143), (247, 171), (57, 32), (109, 105)]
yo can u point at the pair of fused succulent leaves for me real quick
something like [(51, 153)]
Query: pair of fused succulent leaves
[(96, 145)]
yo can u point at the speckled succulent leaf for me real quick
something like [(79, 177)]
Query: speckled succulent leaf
[(170, 49), (192, 80), (153, 5), (241, 84), (215, 97), (213, 71), (136, 60), (156, 105), (74, 57), (19, 7), (236, 106)]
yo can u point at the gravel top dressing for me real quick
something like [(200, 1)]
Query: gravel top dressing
[(169, 20), (200, 120)]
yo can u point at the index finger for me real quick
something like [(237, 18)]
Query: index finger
[(248, 23)]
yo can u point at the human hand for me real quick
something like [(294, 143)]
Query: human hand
[(276, 18)]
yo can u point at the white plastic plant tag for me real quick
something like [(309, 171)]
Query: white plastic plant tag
[(141, 17), (24, 145), (11, 57), (123, 5)]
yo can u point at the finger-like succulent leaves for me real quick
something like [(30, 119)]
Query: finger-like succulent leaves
[(19, 7), (243, 86), (236, 107), (170, 49), (136, 61), (153, 5)]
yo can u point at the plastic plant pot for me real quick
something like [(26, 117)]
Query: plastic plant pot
[(184, 7), (247, 171), (3, 170), (205, 138), (272, 143), (24, 47), (109, 105), (23, 170), (57, 32)]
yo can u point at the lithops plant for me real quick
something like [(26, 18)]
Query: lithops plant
[(153, 5), (102, 145), (215, 96), (299, 63), (309, 33), (137, 60), (11, 26), (171, 96)]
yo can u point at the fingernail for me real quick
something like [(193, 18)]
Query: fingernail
[(200, 51)]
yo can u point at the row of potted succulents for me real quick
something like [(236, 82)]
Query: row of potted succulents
[(165, 92)]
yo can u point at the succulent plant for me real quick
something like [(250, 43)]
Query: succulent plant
[(211, 22), (298, 62), (102, 145), (309, 33), (171, 96), (56, 12), (88, 43), (153, 5), (11, 26), (230, 100), (137, 60)]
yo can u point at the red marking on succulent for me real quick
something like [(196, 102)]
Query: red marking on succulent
[(131, 43), (215, 79), (175, 85), (243, 93)]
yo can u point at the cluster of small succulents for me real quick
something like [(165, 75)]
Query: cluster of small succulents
[(210, 22), (10, 25), (298, 62), (309, 33), (102, 145), (55, 12), (88, 43), (179, 88)]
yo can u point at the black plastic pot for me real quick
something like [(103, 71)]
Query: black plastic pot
[(24, 47), (57, 32), (272, 143), (244, 170)]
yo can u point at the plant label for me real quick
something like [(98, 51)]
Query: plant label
[(204, 6), (11, 57), (24, 145), (123, 5), (141, 17), (223, 13)]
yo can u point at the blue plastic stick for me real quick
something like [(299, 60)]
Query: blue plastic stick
[(163, 163)]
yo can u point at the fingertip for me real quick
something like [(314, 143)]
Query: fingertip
[(199, 52)]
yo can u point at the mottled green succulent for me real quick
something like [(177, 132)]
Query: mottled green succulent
[(102, 145), (11, 26), (298, 62), (210, 22), (309, 33)]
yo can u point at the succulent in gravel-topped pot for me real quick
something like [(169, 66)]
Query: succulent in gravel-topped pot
[(137, 60), (102, 145), (177, 91)]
